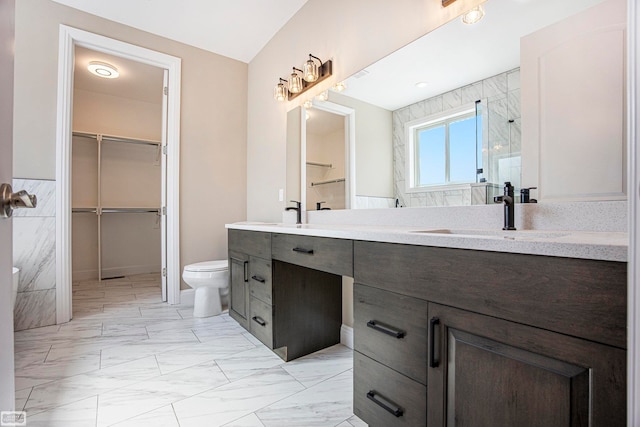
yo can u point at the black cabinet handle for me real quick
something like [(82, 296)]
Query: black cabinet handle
[(258, 279), (433, 362), (385, 404), (386, 329), (246, 271), (303, 251), (259, 320)]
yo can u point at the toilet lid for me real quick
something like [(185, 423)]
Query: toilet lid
[(217, 265)]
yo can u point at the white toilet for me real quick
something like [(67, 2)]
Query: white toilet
[(210, 279)]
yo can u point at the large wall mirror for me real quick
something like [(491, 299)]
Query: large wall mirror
[(532, 94)]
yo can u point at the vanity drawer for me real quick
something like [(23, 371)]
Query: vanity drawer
[(260, 279), (256, 243), (379, 391), (260, 321), (392, 329), (319, 253)]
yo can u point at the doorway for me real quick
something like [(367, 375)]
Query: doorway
[(167, 149), (117, 170), (328, 162)]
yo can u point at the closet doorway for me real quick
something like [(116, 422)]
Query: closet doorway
[(117, 172), (122, 162)]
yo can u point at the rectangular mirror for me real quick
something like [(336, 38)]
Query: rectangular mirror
[(449, 118)]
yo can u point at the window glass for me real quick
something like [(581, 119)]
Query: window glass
[(431, 167), (462, 151)]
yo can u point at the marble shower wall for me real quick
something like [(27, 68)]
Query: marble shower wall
[(502, 93), (34, 242)]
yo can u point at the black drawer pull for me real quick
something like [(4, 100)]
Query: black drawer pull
[(246, 271), (385, 404), (385, 329), (433, 362), (259, 320), (303, 251), (258, 279)]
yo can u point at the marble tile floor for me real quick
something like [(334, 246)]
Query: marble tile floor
[(127, 359)]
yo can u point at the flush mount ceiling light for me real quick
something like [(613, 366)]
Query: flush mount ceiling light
[(104, 70), (474, 15), (422, 84), (297, 84)]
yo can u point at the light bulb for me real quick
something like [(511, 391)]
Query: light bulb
[(310, 71), (280, 92), (295, 82)]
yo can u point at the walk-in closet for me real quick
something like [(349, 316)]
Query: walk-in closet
[(117, 170)]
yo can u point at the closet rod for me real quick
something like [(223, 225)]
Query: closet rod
[(84, 210), (323, 165), (313, 184), (130, 210), (113, 138)]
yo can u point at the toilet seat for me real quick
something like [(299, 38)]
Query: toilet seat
[(208, 266)]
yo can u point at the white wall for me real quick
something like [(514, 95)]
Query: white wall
[(354, 34), (213, 120), (374, 147)]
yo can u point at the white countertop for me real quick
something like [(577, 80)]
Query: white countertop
[(608, 246)]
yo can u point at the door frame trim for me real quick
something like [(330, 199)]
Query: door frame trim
[(70, 37)]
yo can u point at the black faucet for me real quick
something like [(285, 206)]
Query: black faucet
[(525, 195), (320, 208), (298, 209), (509, 206)]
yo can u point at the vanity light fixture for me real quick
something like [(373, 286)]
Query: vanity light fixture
[(311, 74), (280, 92), (339, 87), (104, 70), (295, 81), (474, 15)]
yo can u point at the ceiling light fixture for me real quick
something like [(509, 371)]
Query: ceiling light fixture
[(312, 74), (474, 15), (422, 84), (104, 70)]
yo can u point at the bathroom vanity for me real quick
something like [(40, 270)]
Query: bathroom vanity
[(526, 333)]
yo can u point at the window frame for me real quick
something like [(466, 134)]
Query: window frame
[(411, 165)]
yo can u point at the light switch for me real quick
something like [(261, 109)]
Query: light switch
[(281, 195)]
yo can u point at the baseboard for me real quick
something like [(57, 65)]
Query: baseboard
[(187, 296), (115, 272), (346, 336)]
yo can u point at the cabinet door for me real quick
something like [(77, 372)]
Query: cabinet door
[(239, 298), (485, 371)]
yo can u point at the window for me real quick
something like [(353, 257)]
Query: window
[(443, 148)]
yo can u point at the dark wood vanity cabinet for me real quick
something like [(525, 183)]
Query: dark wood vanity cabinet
[(248, 251), (294, 307), (491, 338)]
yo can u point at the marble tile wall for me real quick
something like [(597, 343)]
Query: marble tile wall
[(369, 202), (502, 142), (34, 254)]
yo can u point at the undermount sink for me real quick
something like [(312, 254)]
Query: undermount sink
[(502, 234)]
